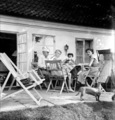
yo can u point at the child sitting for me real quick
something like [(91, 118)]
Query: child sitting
[(69, 61), (68, 64)]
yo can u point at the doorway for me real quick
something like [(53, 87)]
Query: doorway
[(8, 45)]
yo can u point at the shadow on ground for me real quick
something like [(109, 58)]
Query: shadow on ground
[(79, 111)]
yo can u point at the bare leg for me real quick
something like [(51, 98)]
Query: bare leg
[(81, 96), (97, 97), (77, 93), (69, 83)]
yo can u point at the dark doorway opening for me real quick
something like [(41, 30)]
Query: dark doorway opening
[(8, 45)]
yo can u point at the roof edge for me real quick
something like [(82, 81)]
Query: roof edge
[(52, 25)]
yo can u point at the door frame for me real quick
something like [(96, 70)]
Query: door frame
[(19, 33)]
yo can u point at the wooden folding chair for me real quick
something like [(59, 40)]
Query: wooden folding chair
[(25, 82), (56, 75), (106, 69), (93, 76), (105, 73)]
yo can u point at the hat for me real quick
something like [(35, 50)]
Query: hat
[(45, 49)]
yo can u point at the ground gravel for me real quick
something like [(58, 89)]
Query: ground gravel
[(79, 111)]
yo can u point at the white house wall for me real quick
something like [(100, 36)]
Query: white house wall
[(64, 34)]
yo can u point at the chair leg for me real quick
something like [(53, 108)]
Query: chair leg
[(3, 86), (56, 84), (75, 85), (49, 86), (44, 83), (40, 97), (101, 87), (40, 87), (11, 84), (87, 84), (66, 87), (31, 95), (52, 85), (62, 87)]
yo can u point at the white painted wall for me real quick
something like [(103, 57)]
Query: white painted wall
[(64, 34)]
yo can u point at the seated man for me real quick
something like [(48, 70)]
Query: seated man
[(42, 64)]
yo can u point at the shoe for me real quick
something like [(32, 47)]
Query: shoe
[(3, 94)]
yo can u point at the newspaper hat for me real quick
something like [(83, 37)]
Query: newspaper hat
[(45, 49)]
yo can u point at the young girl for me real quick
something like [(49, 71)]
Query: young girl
[(67, 65)]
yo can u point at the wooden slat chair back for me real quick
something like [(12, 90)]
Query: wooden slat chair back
[(96, 74), (105, 72), (55, 67), (53, 64), (105, 69), (22, 79)]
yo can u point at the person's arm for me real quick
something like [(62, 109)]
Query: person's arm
[(52, 58), (65, 61), (91, 62)]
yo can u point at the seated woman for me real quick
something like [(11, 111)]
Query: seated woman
[(93, 66), (56, 55)]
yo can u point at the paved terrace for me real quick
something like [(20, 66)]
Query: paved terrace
[(23, 101)]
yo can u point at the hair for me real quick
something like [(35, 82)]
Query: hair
[(58, 51), (70, 54), (89, 49)]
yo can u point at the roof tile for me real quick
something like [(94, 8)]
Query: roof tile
[(93, 13)]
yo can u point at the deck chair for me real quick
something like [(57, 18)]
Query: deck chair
[(106, 70), (26, 82), (56, 75), (94, 76), (35, 68)]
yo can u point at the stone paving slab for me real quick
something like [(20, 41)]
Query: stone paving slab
[(23, 101)]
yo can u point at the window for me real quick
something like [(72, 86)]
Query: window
[(81, 46), (43, 40)]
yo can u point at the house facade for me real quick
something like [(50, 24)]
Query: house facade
[(32, 35)]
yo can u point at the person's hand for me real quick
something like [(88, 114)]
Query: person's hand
[(42, 68), (67, 61)]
